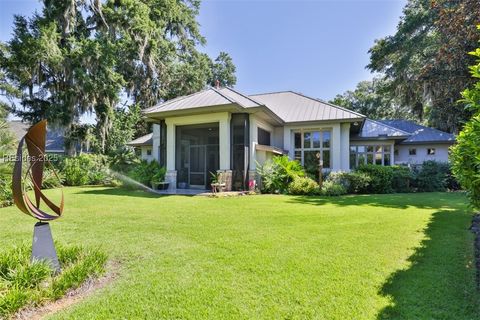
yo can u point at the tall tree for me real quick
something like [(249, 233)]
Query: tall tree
[(466, 153), (86, 55), (223, 71), (373, 99), (425, 59)]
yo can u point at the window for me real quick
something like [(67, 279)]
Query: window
[(412, 151), (431, 151), (372, 154), (263, 137), (395, 151), (311, 147), (149, 152)]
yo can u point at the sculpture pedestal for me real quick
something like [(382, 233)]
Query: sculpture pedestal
[(43, 247)]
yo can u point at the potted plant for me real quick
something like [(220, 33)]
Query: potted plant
[(158, 180)]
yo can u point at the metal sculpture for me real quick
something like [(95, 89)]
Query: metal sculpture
[(43, 247)]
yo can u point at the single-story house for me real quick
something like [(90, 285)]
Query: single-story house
[(223, 130), (54, 140)]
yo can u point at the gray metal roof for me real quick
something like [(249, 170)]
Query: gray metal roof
[(146, 140), (288, 106), (55, 140), (295, 107), (375, 129), (205, 98), (419, 133)]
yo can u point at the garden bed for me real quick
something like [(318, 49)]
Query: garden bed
[(28, 285)]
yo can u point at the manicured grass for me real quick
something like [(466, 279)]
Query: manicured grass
[(23, 283), (402, 256)]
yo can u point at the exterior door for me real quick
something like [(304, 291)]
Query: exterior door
[(197, 175)]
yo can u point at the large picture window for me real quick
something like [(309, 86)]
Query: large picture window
[(311, 147), (371, 154)]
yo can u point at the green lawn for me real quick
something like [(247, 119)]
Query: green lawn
[(402, 256)]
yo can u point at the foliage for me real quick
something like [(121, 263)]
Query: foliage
[(52, 179), (402, 179), (431, 176), (6, 149), (466, 153), (277, 173), (372, 98), (144, 172), (159, 176), (123, 159), (24, 283), (80, 137), (332, 189), (122, 130), (425, 61), (353, 182), (381, 178), (75, 57), (85, 169), (303, 186), (223, 71)]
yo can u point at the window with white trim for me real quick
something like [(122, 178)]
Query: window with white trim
[(311, 147), (370, 154)]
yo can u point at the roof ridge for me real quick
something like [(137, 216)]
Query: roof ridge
[(273, 92), (245, 96), (226, 97)]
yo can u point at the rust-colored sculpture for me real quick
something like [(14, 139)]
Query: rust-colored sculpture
[(43, 247), (35, 140)]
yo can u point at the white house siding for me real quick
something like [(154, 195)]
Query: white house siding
[(258, 155), (144, 153), (345, 146), (403, 156)]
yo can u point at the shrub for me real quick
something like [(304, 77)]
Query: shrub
[(431, 176), (466, 153), (85, 169), (303, 186), (381, 178), (332, 189), (353, 182), (52, 179), (145, 171), (6, 196), (277, 174), (401, 179)]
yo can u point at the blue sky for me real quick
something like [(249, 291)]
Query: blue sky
[(315, 47)]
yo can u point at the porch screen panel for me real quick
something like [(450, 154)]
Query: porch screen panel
[(196, 154), (240, 137)]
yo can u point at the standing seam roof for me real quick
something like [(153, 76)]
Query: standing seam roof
[(295, 107)]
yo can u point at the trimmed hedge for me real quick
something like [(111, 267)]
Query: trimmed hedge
[(381, 178)]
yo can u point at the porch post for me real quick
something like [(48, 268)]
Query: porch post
[(335, 148), (171, 175), (224, 137), (224, 150)]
